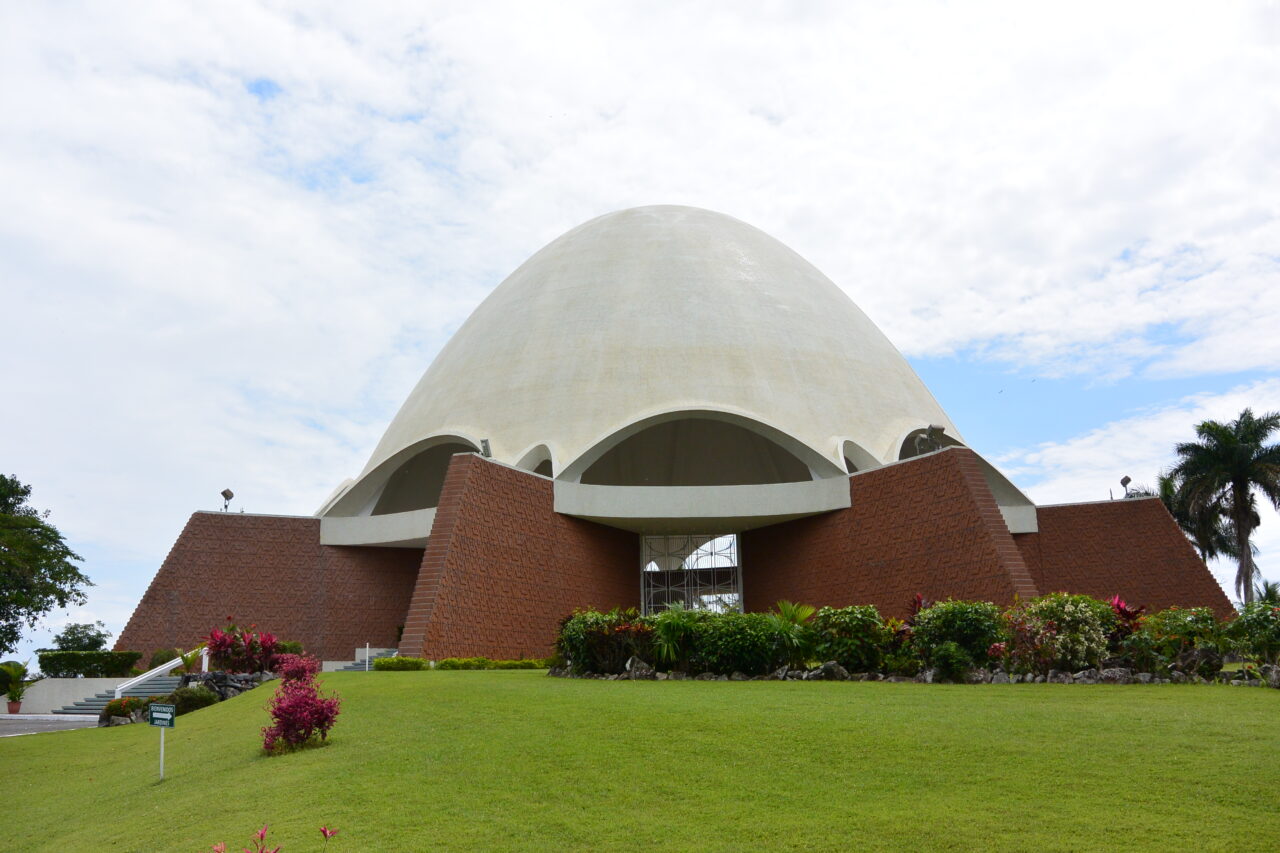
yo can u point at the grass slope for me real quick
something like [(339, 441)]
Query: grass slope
[(515, 760)]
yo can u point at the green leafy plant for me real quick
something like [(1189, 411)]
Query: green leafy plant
[(856, 637), (400, 664), (82, 637), (162, 656), (950, 661), (55, 664), (1190, 638), (1256, 631), (734, 642), (126, 705), (1061, 631), (971, 625), (188, 699), (794, 634), (673, 634), (602, 642), (15, 680), (487, 663)]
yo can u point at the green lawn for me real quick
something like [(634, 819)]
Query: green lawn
[(516, 760)]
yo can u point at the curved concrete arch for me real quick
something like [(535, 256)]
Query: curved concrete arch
[(855, 456), (818, 466), (540, 460), (364, 496)]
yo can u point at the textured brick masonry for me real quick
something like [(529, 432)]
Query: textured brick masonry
[(501, 567)]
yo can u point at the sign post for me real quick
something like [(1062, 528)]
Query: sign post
[(161, 716)]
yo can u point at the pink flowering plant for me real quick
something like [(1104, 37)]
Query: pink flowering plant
[(259, 841), (301, 715), (235, 649)]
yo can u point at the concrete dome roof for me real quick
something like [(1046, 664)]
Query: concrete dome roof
[(656, 310)]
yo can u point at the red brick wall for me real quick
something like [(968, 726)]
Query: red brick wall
[(272, 571), (928, 525), (502, 568), (1132, 548)]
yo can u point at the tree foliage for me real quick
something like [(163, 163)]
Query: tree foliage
[(1219, 476), (37, 571), (85, 637)]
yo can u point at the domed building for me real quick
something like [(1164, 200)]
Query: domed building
[(664, 404)]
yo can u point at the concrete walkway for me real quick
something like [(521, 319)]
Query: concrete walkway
[(29, 724)]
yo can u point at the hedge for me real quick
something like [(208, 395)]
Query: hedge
[(56, 664), (399, 664)]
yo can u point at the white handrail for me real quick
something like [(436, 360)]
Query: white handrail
[(152, 673)]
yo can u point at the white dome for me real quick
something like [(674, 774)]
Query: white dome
[(656, 310)]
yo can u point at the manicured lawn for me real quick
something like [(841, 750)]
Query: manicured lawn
[(516, 760)]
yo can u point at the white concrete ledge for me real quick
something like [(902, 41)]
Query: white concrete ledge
[(701, 509), (395, 530)]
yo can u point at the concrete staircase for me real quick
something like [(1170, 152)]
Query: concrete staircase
[(358, 665), (160, 685)]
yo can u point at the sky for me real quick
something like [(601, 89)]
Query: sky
[(234, 235)]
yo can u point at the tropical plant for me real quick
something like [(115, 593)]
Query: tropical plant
[(950, 661), (301, 715), (239, 650), (855, 637), (1220, 472), (795, 636), (673, 632), (1256, 631), (15, 679), (1268, 591), (162, 656), (1060, 630), (1189, 638), (972, 625)]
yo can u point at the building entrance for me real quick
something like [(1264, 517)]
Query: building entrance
[(699, 571)]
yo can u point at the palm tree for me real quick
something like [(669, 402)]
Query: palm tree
[(1217, 476)]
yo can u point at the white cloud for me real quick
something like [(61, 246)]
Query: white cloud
[(1089, 467)]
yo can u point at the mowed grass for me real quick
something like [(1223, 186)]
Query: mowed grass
[(516, 760)]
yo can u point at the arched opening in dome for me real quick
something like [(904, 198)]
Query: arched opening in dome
[(694, 451), (538, 460), (926, 440), (416, 484), (856, 458)]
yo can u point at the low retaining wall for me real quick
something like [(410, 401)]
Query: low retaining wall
[(51, 694)]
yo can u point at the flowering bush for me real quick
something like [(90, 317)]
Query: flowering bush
[(1060, 631), (236, 650), (602, 642), (301, 715), (296, 667), (1257, 631)]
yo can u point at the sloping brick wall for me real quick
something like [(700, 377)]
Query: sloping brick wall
[(272, 571), (1132, 548), (929, 525), (502, 568)]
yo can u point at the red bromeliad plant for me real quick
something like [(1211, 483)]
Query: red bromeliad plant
[(1128, 619), (238, 650)]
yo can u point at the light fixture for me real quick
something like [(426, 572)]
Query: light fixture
[(227, 495), (484, 448), (1124, 482)]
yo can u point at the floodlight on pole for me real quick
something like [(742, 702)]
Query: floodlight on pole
[(227, 495), (1124, 482)]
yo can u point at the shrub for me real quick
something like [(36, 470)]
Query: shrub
[(1190, 638), (486, 663), (160, 657), (794, 633), (673, 634), (602, 642), (301, 715), (126, 705), (188, 699), (902, 662), (56, 664), (1257, 631), (855, 637), (950, 661), (399, 664), (236, 650), (288, 647), (971, 625), (735, 642), (1060, 630), (83, 637), (296, 667)]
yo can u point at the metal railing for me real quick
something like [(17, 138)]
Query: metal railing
[(162, 669)]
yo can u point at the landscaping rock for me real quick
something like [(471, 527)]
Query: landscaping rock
[(639, 669), (1084, 674), (778, 674), (833, 671), (1270, 674), (705, 676), (925, 677), (739, 676), (899, 679), (1143, 677), (722, 678), (1056, 677), (978, 675), (119, 721), (1177, 676), (1116, 675), (1000, 677), (678, 675)]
